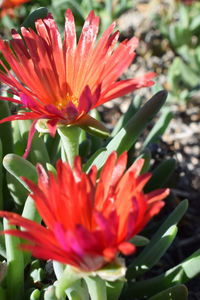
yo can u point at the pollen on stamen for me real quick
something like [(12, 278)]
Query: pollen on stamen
[(62, 103)]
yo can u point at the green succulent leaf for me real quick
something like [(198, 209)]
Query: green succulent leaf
[(159, 127), (180, 274), (139, 241), (160, 175), (171, 220), (35, 295), (18, 166), (146, 261), (39, 13), (128, 135), (15, 262), (133, 108), (176, 292)]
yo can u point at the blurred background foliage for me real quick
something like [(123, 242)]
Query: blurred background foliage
[(179, 25)]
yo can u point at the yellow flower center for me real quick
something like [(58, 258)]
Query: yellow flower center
[(62, 103)]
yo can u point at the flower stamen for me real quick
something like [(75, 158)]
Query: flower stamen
[(62, 103)]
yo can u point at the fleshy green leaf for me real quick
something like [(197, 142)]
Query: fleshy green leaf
[(146, 261), (160, 175), (180, 274), (2, 243), (50, 293), (127, 136), (176, 292), (133, 108), (18, 166), (18, 192), (139, 241), (93, 127), (38, 152), (114, 289), (173, 219), (39, 13), (2, 294), (35, 295), (1, 176), (159, 127), (5, 129), (15, 261)]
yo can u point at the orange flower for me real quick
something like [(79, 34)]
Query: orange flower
[(62, 81), (7, 6), (12, 3), (87, 222)]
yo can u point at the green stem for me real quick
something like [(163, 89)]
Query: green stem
[(69, 283), (77, 291), (2, 243), (58, 269), (15, 272), (66, 280), (30, 212), (1, 176), (50, 294), (2, 294), (70, 141), (96, 287)]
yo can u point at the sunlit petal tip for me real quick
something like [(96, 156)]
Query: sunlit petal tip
[(133, 43), (69, 17), (155, 209), (77, 167), (42, 173), (157, 195), (91, 15), (137, 167)]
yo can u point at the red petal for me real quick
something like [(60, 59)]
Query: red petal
[(51, 124), (157, 195), (30, 137)]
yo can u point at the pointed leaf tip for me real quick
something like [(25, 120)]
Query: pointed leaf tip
[(162, 93), (40, 13), (93, 127)]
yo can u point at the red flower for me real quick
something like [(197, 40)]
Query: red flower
[(88, 223), (187, 2), (62, 81)]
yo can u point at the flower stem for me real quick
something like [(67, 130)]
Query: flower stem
[(96, 287), (1, 176), (58, 269), (77, 291), (30, 212), (15, 261), (70, 141), (66, 280)]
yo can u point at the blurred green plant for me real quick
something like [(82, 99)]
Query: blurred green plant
[(181, 26), (25, 278), (108, 10)]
